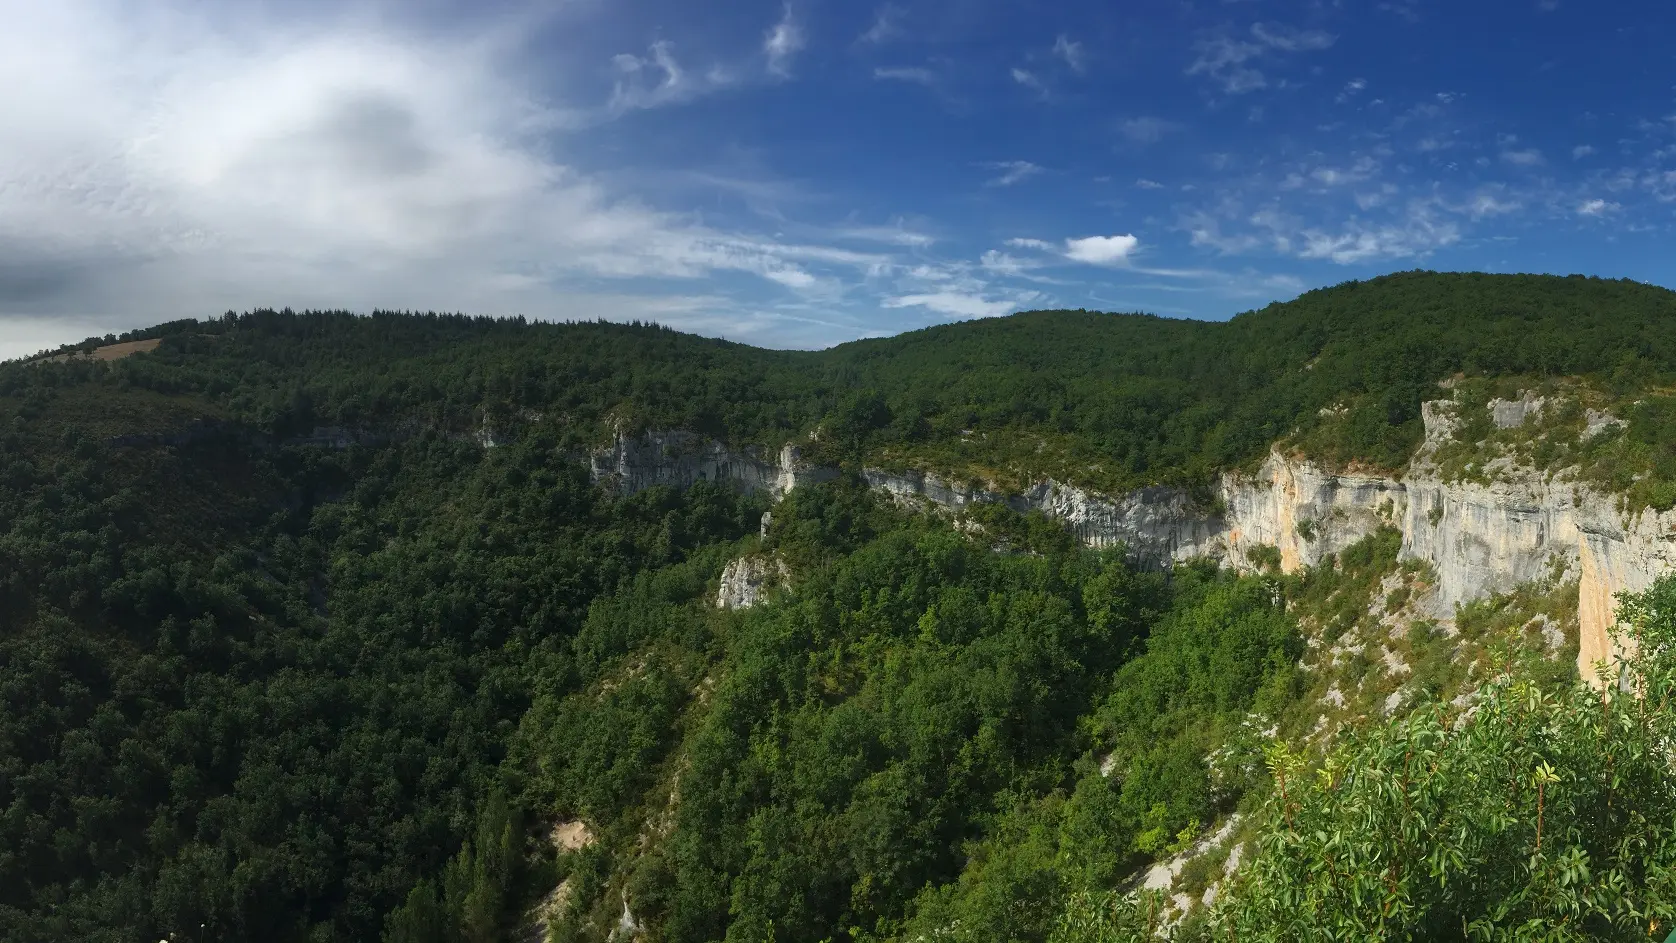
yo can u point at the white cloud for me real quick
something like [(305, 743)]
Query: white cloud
[(1030, 80), (1145, 184), (915, 74), (1146, 130), (1205, 232), (1101, 250), (1597, 207), (214, 164), (1359, 242), (1226, 60), (1071, 52), (887, 25), (955, 303), (657, 79), (1362, 169), (1037, 244), (1223, 59), (1351, 89), (783, 41), (1286, 39), (1000, 263), (1012, 172), (1581, 151), (1090, 250), (1485, 205), (1529, 157), (891, 235)]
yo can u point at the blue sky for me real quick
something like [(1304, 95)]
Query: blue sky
[(800, 174)]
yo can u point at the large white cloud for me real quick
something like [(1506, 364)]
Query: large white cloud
[(1101, 250), (160, 161)]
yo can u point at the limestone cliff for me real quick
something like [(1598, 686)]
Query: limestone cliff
[(1477, 537), (680, 459), (746, 581)]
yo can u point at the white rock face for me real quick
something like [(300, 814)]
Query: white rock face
[(1509, 414), (746, 581), (1158, 525), (1478, 538), (1304, 511), (679, 459)]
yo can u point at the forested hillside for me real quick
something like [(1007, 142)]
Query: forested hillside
[(313, 627), (1109, 401)]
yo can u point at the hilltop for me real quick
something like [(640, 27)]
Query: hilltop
[(1112, 401)]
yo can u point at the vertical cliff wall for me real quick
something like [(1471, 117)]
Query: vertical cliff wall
[(1479, 538)]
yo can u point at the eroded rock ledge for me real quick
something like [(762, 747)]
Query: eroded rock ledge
[(1477, 538)]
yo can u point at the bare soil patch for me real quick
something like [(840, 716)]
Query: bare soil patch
[(111, 352)]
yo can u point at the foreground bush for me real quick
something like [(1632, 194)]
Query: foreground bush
[(1528, 816)]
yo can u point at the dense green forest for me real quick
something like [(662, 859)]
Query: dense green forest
[(262, 683), (1110, 401)]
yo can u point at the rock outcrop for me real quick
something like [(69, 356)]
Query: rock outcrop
[(1478, 538), (680, 459), (746, 581)]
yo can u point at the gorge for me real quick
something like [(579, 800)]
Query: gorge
[(1478, 538)]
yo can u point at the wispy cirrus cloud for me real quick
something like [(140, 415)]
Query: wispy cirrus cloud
[(1029, 80), (918, 75), (960, 304), (1071, 53), (887, 25), (783, 41), (1146, 130), (1231, 62), (657, 79), (1011, 172)]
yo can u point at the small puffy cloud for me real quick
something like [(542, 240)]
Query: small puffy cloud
[(1145, 184), (958, 304), (1012, 172), (1351, 89), (1090, 250), (1581, 151), (1101, 250), (791, 276), (783, 41), (1597, 207), (1528, 157), (1071, 52), (1146, 130), (1029, 80)]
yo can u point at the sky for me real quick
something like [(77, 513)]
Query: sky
[(798, 174)]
